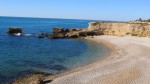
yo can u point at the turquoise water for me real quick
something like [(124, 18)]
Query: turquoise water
[(20, 56)]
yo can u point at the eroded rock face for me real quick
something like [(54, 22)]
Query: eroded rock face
[(14, 30), (120, 28)]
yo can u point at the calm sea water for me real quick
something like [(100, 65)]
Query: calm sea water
[(20, 56)]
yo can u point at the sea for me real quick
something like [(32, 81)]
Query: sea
[(23, 55)]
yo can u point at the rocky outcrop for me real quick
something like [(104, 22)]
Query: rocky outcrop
[(120, 28), (67, 33), (14, 30), (58, 30)]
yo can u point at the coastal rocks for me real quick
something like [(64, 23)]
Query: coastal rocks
[(58, 30), (41, 35), (15, 31), (87, 33), (73, 35), (70, 30), (120, 28), (58, 33)]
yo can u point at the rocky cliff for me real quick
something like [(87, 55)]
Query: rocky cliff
[(120, 28)]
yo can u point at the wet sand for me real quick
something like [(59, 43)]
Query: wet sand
[(128, 64)]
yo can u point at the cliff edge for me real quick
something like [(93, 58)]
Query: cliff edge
[(120, 28)]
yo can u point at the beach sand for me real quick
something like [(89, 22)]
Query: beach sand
[(128, 64)]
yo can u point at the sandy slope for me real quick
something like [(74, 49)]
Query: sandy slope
[(129, 65)]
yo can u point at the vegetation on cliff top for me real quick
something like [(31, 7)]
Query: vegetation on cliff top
[(142, 20)]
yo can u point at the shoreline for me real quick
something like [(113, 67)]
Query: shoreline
[(49, 78), (110, 46), (115, 69), (104, 43)]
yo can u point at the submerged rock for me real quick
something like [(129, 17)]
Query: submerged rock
[(31, 79)]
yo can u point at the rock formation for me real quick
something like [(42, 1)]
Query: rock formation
[(65, 33), (141, 29), (120, 28), (14, 30)]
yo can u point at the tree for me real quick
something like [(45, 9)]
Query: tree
[(140, 19)]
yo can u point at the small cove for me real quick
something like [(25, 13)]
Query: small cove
[(21, 56)]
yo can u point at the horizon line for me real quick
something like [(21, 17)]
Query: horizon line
[(45, 17), (54, 18)]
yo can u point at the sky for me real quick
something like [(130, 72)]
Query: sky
[(116, 10)]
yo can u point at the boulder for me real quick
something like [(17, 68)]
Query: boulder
[(14, 30), (41, 35)]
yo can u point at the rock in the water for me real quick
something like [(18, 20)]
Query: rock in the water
[(70, 30), (14, 30), (72, 35), (41, 35), (59, 35), (58, 30)]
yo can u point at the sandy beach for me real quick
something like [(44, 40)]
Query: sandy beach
[(128, 64)]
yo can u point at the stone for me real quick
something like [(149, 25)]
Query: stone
[(41, 35), (14, 30)]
